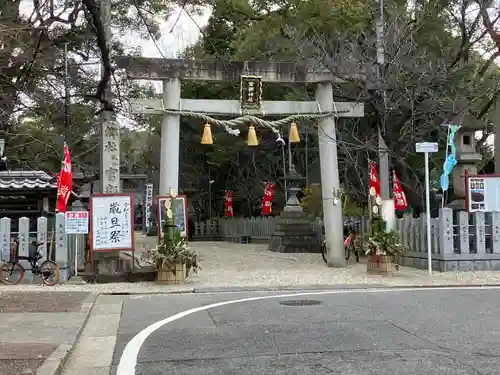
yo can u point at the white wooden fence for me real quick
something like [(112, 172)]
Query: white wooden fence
[(460, 241), (63, 252), (258, 228)]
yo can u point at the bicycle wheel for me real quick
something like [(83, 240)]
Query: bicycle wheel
[(49, 273), (356, 253), (11, 273), (323, 251)]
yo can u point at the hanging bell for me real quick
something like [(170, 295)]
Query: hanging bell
[(294, 137), (252, 136), (207, 139)]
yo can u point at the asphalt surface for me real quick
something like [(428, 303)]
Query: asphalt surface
[(398, 332)]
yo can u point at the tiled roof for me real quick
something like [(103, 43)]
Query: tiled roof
[(26, 180)]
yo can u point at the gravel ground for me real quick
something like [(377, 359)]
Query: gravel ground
[(12, 302), (229, 265), (25, 359)]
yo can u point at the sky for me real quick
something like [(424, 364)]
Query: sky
[(185, 32), (179, 31)]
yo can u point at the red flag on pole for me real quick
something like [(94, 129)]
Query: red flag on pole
[(65, 181), (228, 204), (400, 201), (267, 201), (374, 181)]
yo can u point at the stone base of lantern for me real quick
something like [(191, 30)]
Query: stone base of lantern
[(294, 234)]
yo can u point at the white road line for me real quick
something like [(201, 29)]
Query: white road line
[(128, 360)]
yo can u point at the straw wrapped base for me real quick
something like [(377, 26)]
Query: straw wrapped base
[(380, 265), (168, 276)]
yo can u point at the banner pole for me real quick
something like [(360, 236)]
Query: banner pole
[(370, 217)]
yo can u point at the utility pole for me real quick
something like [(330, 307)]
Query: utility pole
[(67, 118), (495, 119), (307, 158), (387, 203), (209, 192), (110, 131), (284, 170)]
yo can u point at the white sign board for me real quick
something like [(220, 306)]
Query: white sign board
[(76, 222), (426, 147), (483, 193), (112, 222)]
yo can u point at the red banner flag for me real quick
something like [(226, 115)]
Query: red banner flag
[(400, 201), (267, 201), (374, 181), (228, 204), (65, 182)]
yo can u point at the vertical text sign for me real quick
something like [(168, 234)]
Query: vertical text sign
[(112, 227), (148, 204), (110, 175)]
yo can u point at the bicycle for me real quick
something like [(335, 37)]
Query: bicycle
[(12, 272), (349, 243)]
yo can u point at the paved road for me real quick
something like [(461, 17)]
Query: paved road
[(403, 332)]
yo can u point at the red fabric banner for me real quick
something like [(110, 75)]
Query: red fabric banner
[(65, 182), (374, 181), (228, 204), (400, 201), (267, 201)]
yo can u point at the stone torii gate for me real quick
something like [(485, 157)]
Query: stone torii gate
[(172, 71)]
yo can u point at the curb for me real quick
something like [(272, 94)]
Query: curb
[(54, 364), (295, 288)]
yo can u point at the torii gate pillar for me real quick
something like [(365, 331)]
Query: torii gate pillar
[(170, 133), (332, 207)]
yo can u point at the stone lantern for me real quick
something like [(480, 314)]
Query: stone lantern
[(467, 156), (294, 233)]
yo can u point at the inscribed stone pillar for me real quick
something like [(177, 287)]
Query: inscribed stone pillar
[(5, 239), (41, 235), (61, 256), (170, 129), (332, 208), (446, 232), (110, 157), (24, 240)]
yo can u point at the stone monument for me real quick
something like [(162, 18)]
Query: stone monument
[(294, 233)]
